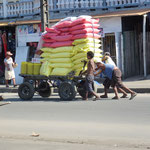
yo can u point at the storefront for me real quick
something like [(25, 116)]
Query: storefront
[(7, 43), (22, 41)]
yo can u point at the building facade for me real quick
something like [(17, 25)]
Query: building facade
[(120, 20)]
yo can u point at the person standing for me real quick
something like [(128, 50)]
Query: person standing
[(114, 74), (107, 82), (90, 76), (9, 69)]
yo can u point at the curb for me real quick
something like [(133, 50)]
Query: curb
[(99, 90)]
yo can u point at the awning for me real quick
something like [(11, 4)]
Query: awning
[(135, 12)]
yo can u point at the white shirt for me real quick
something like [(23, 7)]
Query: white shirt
[(110, 61), (9, 63)]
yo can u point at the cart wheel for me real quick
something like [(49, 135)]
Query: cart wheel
[(44, 89), (26, 91), (67, 91), (81, 89)]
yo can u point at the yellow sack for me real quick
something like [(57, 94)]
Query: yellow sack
[(98, 55), (68, 49), (29, 68), (24, 68), (60, 55), (79, 55), (96, 59), (47, 50), (44, 59), (61, 65), (61, 71), (36, 69), (45, 55), (60, 60), (78, 66), (79, 61), (82, 46), (96, 50), (77, 72), (45, 69), (86, 40)]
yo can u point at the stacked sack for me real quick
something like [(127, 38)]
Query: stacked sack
[(86, 38), (57, 49), (66, 45)]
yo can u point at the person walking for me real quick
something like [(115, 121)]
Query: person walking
[(9, 69), (114, 74), (90, 76)]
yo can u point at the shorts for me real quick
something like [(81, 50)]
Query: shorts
[(89, 83), (116, 79), (107, 83), (9, 75)]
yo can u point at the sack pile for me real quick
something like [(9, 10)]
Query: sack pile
[(66, 45)]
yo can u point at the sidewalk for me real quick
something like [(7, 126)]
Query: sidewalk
[(138, 84)]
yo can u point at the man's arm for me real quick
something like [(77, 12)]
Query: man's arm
[(99, 72)]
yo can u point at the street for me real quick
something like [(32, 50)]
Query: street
[(68, 125)]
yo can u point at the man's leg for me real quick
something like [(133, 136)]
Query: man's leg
[(7, 83), (122, 91), (116, 93)]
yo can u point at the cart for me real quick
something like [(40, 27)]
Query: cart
[(67, 88)]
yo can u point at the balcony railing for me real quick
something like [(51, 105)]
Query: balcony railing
[(31, 7)]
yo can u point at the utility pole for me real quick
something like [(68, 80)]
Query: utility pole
[(44, 14)]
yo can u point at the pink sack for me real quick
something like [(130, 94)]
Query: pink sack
[(88, 35), (65, 33), (48, 35), (63, 24), (61, 38), (61, 44), (84, 20), (83, 26), (86, 30), (47, 44), (64, 29), (49, 40), (52, 30)]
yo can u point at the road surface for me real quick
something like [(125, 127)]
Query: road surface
[(69, 125)]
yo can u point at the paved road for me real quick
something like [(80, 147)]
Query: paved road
[(91, 125)]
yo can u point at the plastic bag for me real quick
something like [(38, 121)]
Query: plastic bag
[(86, 30), (61, 38), (47, 50), (45, 69), (83, 26), (87, 35), (36, 69), (60, 60), (61, 55), (82, 46), (78, 61), (86, 40), (24, 68), (61, 71), (61, 65), (29, 68), (61, 44), (63, 49), (79, 55)]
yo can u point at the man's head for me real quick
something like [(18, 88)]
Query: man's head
[(100, 64), (90, 55), (107, 54)]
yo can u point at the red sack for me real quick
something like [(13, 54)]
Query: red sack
[(65, 33), (83, 26), (61, 38), (86, 30), (61, 44), (64, 29), (63, 24), (49, 35), (52, 30), (84, 20), (47, 44), (88, 35), (49, 40)]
